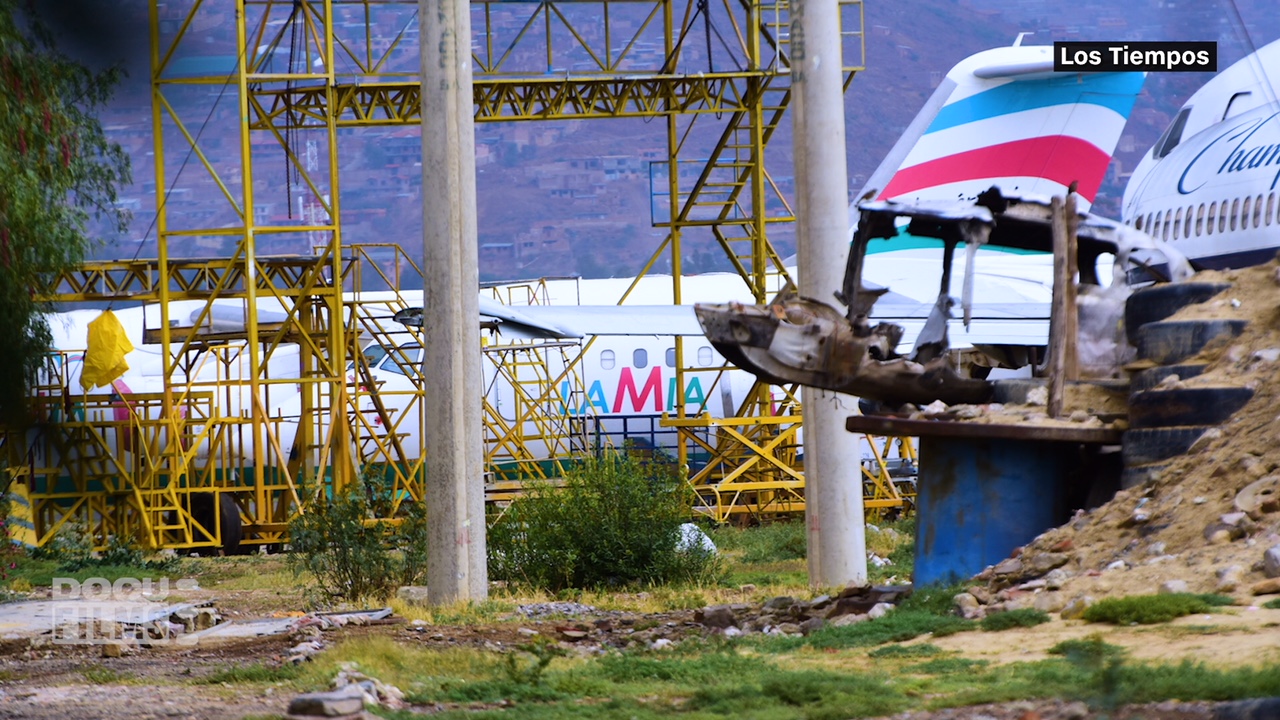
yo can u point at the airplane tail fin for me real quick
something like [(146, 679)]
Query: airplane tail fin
[(1003, 117)]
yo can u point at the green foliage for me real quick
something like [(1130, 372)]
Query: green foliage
[(897, 626), (339, 542), (1149, 609), (933, 599), (948, 666), (1273, 604), (905, 651), (774, 542), (1091, 649), (1025, 617), (102, 675), (615, 522), (253, 673), (59, 172), (72, 550)]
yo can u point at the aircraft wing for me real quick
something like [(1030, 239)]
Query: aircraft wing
[(615, 319)]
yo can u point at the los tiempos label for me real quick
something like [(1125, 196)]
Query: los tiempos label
[(1135, 56)]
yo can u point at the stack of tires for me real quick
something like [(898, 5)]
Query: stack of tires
[(1165, 418)]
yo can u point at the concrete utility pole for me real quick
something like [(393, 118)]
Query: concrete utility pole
[(832, 459), (456, 568)]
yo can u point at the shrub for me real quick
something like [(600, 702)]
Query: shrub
[(1150, 609), (1273, 604), (1025, 617), (350, 555), (616, 521)]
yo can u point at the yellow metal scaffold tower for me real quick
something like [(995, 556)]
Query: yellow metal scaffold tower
[(263, 411)]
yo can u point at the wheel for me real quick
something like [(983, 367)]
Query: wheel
[(1132, 477), (230, 526), (1171, 341), (1145, 446), (1185, 406), (1155, 303), (1151, 377)]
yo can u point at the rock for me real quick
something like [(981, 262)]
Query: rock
[(1200, 500), (1050, 602), (113, 649), (1156, 548), (854, 589), (1271, 562), (781, 602), (1202, 442), (1173, 586), (186, 617), (1234, 519), (207, 618), (879, 610), (572, 634), (526, 632), (1118, 565), (789, 628), (1266, 355), (344, 701), (1229, 578), (966, 604), (732, 632), (851, 619), (1009, 566), (811, 625), (980, 593), (1219, 533), (413, 594), (849, 606), (1038, 395), (1074, 711), (1056, 578), (1075, 608), (661, 644), (716, 616), (1266, 587), (1079, 416), (822, 602), (747, 589)]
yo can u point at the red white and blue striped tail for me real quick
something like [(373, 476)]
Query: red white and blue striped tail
[(1003, 118)]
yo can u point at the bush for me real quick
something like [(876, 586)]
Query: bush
[(615, 522), (350, 555), (1151, 609), (1272, 604), (1025, 617)]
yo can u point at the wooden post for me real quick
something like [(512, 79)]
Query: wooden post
[(1071, 358), (1058, 324)]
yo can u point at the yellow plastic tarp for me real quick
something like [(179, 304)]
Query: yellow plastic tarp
[(104, 359)]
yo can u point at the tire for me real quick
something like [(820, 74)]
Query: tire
[(1147, 446), (1155, 303), (1147, 379), (1138, 475), (230, 526), (1169, 342), (1186, 406)]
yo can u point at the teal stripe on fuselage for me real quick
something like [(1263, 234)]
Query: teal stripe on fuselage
[(905, 241), (1116, 91)]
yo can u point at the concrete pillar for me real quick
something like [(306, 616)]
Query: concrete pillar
[(833, 480), (456, 568)]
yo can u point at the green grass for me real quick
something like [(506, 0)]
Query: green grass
[(897, 626), (1151, 609), (101, 675), (254, 673), (1092, 646), (1273, 604), (1025, 617), (948, 666), (906, 651)]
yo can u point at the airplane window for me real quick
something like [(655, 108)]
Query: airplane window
[(1168, 220), (408, 356), (606, 359), (1236, 105), (1137, 223), (1172, 135), (1151, 229), (374, 354), (704, 356), (1186, 227), (1222, 217), (1235, 212), (640, 358), (1271, 203), (1200, 220), (1177, 224), (1213, 215), (1244, 214), (671, 357), (1155, 226), (1257, 211)]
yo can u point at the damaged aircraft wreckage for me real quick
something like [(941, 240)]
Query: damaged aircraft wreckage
[(806, 341)]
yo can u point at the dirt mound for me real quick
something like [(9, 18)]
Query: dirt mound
[(1185, 525)]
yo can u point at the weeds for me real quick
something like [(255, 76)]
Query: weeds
[(905, 651), (616, 522), (101, 675), (1151, 609), (1273, 604), (338, 543), (897, 626), (1025, 617), (254, 673)]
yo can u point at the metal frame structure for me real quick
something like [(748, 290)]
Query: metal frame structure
[(293, 76)]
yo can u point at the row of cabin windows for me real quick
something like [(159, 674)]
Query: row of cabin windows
[(640, 358), (1216, 217)]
